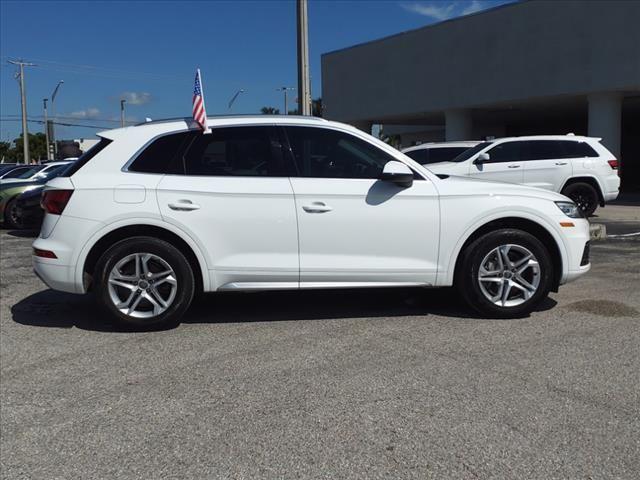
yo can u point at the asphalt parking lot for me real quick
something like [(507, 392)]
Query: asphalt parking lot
[(340, 384)]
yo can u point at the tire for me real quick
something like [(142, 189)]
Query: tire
[(481, 258), (11, 218), (131, 286), (584, 195)]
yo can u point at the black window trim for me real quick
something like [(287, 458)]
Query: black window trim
[(289, 151)]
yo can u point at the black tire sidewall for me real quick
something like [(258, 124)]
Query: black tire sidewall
[(8, 221), (475, 253), (572, 189), (166, 251)]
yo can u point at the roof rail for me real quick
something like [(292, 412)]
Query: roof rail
[(213, 117)]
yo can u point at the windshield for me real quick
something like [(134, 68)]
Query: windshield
[(32, 171), (53, 171), (467, 154)]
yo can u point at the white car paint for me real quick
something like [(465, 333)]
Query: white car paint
[(291, 232), (548, 173)]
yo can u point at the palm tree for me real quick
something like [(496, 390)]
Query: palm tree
[(270, 111)]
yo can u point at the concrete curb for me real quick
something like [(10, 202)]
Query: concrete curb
[(598, 231)]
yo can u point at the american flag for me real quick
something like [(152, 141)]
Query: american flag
[(199, 112)]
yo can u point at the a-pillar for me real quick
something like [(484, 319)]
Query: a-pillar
[(458, 125), (605, 119)]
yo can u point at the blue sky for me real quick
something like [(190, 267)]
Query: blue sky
[(147, 52)]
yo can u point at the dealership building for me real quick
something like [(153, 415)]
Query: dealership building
[(528, 68)]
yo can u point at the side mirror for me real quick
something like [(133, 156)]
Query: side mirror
[(398, 173), (482, 158)]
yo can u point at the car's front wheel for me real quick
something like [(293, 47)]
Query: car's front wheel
[(584, 195), (144, 283), (505, 273)]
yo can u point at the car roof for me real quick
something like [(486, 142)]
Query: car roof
[(425, 146), (187, 123), (570, 136)]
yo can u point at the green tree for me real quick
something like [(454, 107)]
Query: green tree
[(37, 147), (270, 111), (7, 154)]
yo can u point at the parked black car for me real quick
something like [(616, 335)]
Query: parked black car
[(29, 210)]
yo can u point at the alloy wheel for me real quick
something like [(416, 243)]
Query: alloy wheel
[(142, 285), (509, 275)]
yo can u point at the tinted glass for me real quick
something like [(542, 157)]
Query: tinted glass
[(467, 154), (236, 151), (324, 153), (85, 157), (505, 152), (31, 171), (161, 156), (16, 172), (543, 149), (421, 156), (578, 150), (445, 154)]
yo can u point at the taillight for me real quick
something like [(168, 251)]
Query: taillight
[(54, 201), (613, 163)]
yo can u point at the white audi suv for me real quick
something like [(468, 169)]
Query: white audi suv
[(158, 212)]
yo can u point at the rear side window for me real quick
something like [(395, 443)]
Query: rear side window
[(162, 155), (578, 150), (85, 157), (505, 152), (324, 153), (237, 151)]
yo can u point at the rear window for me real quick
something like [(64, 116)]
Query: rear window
[(85, 157)]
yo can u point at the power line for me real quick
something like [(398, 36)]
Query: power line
[(64, 124)]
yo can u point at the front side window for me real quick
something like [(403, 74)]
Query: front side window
[(324, 153), (505, 152), (445, 154), (237, 151)]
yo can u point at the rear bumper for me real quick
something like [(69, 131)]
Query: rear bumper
[(57, 277), (611, 187)]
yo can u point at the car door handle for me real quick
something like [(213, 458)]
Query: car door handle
[(184, 206), (317, 207), (561, 163), (514, 166)]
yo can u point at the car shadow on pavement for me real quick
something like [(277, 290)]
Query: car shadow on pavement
[(27, 233), (49, 308)]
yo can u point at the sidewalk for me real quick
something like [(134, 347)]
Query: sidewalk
[(621, 216)]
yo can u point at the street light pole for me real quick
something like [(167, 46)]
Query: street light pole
[(23, 104), (286, 104), (53, 131), (46, 128), (304, 96), (122, 102)]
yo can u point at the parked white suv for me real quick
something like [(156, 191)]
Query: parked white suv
[(157, 212), (436, 152), (579, 167)]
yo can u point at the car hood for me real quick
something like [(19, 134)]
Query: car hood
[(468, 186)]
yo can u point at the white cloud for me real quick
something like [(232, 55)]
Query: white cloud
[(473, 7), (442, 11), (136, 98), (89, 113)]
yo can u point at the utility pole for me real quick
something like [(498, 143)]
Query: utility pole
[(53, 131), (304, 96), (233, 99), (46, 128), (286, 104), (122, 102), (23, 104)]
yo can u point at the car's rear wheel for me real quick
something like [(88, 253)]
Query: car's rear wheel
[(12, 217), (505, 273), (584, 195), (144, 283)]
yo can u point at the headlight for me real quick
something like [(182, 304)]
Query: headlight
[(570, 209)]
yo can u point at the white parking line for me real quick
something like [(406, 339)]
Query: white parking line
[(624, 235)]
